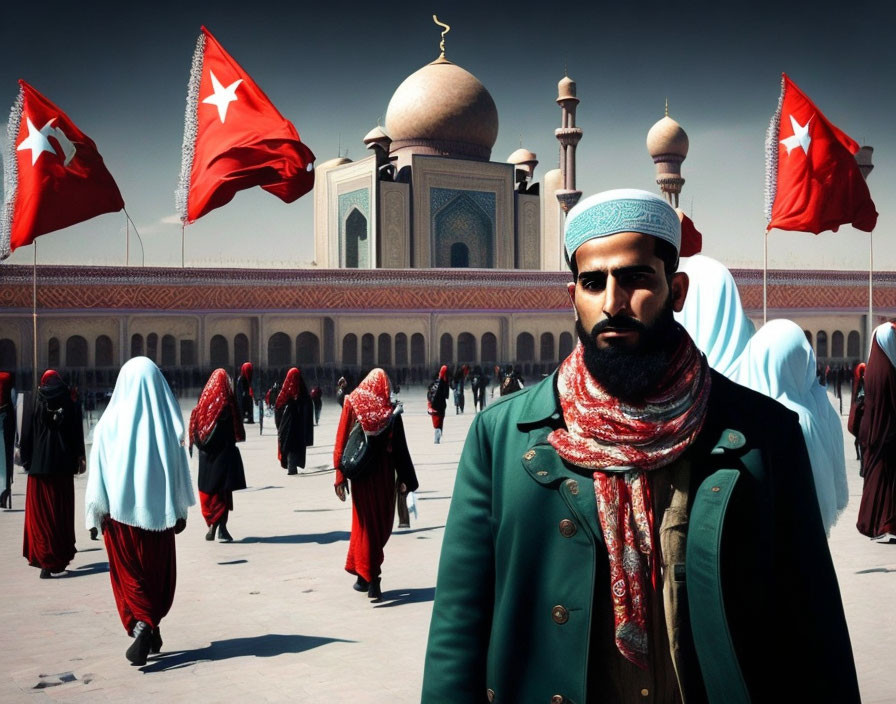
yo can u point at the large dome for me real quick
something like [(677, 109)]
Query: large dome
[(443, 109)]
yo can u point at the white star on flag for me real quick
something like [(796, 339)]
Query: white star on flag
[(37, 140), (222, 97), (800, 137)]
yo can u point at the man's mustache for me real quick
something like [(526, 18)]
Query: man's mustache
[(618, 322)]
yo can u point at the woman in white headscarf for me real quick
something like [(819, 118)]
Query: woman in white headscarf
[(779, 362), (138, 492), (713, 314)]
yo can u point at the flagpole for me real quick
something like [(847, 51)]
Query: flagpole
[(34, 315), (765, 279), (870, 326), (127, 239), (182, 237), (139, 238)]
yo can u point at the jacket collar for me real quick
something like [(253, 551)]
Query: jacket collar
[(541, 403)]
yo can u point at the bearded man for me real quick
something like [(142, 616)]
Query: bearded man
[(636, 527)]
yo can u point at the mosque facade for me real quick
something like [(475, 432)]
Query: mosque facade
[(426, 252)]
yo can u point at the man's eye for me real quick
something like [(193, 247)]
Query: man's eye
[(593, 284)]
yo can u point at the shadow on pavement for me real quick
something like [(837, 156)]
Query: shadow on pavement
[(260, 488), (334, 536), (313, 510), (875, 569), (234, 562), (397, 597), (266, 646), (86, 570), (408, 531)]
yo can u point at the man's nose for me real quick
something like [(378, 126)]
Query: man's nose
[(616, 298)]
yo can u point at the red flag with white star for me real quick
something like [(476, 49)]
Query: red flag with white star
[(234, 138), (813, 183), (55, 177)]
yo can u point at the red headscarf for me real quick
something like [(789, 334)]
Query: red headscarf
[(292, 388), (51, 376), (5, 387), (443, 373), (216, 396), (246, 371), (372, 402)]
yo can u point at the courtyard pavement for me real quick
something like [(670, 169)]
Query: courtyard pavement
[(272, 616)]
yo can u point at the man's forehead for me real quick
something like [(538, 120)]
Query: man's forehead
[(623, 250)]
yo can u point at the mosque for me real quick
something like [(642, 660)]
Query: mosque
[(402, 241)]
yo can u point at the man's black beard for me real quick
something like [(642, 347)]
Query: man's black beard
[(631, 373)]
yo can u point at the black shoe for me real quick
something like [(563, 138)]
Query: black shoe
[(45, 573), (374, 592), (155, 641), (6, 499), (361, 585), (139, 649), (94, 533), (223, 535), (292, 471), (211, 531)]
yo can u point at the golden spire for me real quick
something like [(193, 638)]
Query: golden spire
[(444, 32), (667, 107)]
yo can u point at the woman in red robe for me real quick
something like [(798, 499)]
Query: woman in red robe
[(216, 428), (877, 434), (139, 491), (52, 451), (373, 493)]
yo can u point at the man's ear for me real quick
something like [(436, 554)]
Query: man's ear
[(679, 290), (571, 290)]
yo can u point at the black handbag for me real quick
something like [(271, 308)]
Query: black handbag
[(359, 453)]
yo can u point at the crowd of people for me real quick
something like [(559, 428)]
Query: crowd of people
[(671, 418)]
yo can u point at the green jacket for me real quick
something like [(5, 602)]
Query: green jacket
[(763, 617)]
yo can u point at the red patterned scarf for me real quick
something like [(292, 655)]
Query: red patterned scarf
[(603, 432), (372, 402), (216, 396), (292, 388), (246, 373)]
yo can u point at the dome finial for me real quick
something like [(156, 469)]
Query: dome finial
[(444, 32), (667, 107)]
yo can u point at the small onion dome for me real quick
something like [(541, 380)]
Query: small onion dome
[(338, 161), (522, 156), (443, 104), (377, 136), (566, 89), (667, 137)]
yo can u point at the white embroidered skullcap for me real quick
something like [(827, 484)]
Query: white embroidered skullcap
[(621, 210)]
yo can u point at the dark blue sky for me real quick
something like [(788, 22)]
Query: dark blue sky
[(120, 72)]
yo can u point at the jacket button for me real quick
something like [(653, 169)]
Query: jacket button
[(558, 699), (560, 614), (567, 528), (490, 694), (573, 486), (645, 692)]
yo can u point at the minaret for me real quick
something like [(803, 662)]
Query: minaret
[(568, 135), (667, 145), (863, 159)]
